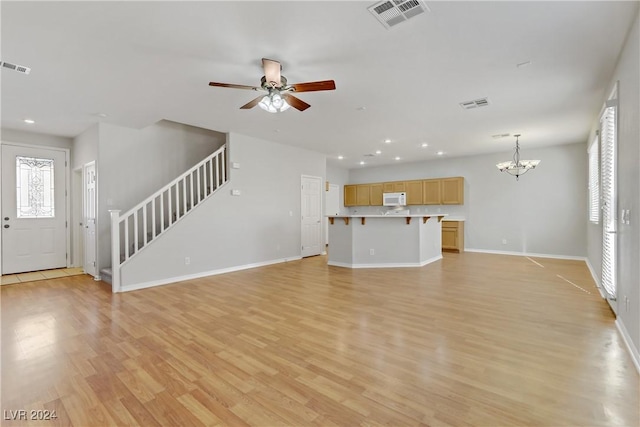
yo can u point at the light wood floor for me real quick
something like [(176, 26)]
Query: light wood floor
[(475, 339)]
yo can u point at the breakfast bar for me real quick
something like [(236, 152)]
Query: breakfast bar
[(382, 241)]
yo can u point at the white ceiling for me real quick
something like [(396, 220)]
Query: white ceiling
[(140, 62)]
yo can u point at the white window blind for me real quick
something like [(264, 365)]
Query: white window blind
[(594, 182), (608, 135)]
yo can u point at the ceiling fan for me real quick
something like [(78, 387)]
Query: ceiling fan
[(279, 95)]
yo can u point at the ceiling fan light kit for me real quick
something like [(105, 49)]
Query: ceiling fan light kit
[(517, 167), (273, 102), (279, 96)]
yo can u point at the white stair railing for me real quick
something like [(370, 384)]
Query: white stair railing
[(132, 231)]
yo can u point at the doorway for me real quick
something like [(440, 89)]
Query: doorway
[(34, 208)]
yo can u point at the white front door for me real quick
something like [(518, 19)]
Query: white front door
[(89, 218), (34, 216), (311, 215)]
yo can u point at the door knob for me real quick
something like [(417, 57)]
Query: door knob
[(6, 226), (6, 218)]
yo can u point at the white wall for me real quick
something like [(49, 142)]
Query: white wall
[(340, 177), (260, 226), (85, 147), (33, 138), (134, 163), (627, 74), (542, 213)]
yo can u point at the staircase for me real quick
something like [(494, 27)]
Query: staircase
[(140, 226)]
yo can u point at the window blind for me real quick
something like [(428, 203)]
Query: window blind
[(608, 135), (594, 182)]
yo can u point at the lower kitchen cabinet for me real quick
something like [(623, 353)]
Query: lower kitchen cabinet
[(453, 236)]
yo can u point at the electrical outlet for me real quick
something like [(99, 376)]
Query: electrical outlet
[(626, 303), (372, 252), (504, 241), (187, 260)]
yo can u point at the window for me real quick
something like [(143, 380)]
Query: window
[(594, 182), (34, 188), (608, 138)]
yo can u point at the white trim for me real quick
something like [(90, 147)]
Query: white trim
[(595, 277), (530, 254), (386, 265), (153, 283), (633, 351)]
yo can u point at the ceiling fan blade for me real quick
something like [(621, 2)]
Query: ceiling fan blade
[(232, 86), (296, 103), (272, 72), (252, 103), (314, 86)]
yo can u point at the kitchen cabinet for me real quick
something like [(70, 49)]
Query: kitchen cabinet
[(435, 191), (394, 187), (414, 192), (452, 191), (363, 194), (453, 236), (350, 195), (375, 194), (431, 191)]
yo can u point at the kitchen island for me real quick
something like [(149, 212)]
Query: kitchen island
[(379, 241)]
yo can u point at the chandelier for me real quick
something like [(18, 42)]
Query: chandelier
[(273, 102), (517, 167)]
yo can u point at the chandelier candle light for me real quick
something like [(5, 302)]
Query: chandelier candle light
[(517, 167)]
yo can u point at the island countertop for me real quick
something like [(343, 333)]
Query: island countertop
[(407, 217)]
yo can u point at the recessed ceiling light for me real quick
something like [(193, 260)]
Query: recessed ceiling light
[(424, 145), (340, 157), (361, 108), (378, 152), (29, 121), (101, 115), (387, 141), (440, 153), (362, 162), (397, 158)]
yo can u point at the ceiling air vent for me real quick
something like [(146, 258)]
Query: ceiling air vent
[(19, 68), (481, 102), (393, 12)]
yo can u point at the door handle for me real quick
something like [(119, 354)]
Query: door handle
[(612, 232), (6, 226), (6, 218)]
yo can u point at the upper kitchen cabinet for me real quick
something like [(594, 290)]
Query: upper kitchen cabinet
[(414, 192), (432, 192), (394, 187), (375, 194), (452, 191), (363, 195), (350, 195)]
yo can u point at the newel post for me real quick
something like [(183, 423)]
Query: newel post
[(115, 250)]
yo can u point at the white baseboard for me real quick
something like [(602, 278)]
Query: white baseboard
[(386, 265), (530, 254), (596, 278), (153, 283), (633, 351)]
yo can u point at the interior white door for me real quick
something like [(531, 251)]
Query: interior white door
[(34, 214), (311, 215), (89, 218)]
